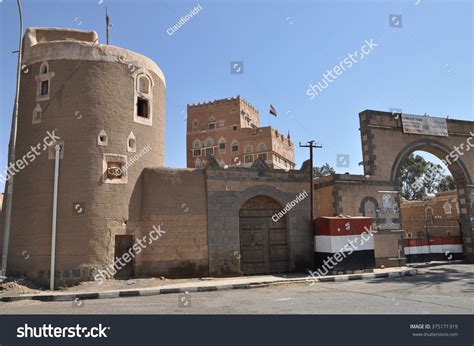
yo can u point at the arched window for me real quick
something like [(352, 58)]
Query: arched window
[(44, 68), (197, 144), (209, 143), (43, 82), (262, 147), (248, 149), (143, 91), (222, 145), (235, 147), (211, 124)]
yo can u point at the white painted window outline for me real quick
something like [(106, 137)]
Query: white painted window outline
[(131, 143), (235, 146), (261, 147), (122, 159), (37, 114), (222, 145), (103, 139), (248, 158), (248, 149), (143, 95), (211, 125), (209, 143), (197, 148), (45, 76)]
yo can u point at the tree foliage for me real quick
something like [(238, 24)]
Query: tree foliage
[(323, 171), (419, 177)]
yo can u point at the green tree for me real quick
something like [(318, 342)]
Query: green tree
[(419, 177), (323, 171)]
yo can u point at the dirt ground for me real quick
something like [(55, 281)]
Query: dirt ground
[(19, 286)]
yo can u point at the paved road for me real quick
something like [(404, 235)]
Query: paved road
[(447, 289)]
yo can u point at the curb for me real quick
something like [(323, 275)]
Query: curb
[(224, 287)]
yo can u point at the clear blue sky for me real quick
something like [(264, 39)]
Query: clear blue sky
[(426, 66)]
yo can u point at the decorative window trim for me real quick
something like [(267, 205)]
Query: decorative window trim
[(37, 114), (196, 152), (235, 144), (248, 149), (43, 77), (197, 144), (114, 158), (131, 148), (148, 121), (209, 143), (248, 158), (261, 147), (103, 142), (222, 141)]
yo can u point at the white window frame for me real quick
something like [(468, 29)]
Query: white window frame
[(43, 77), (148, 121)]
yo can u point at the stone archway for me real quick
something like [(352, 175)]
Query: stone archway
[(263, 242), (386, 145)]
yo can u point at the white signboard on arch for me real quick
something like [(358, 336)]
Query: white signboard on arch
[(424, 125)]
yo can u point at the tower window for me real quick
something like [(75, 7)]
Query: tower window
[(235, 147), (222, 146), (196, 152), (44, 88), (209, 151), (142, 108), (143, 98), (235, 128), (131, 143), (102, 139)]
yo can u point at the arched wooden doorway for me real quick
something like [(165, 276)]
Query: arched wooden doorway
[(263, 242)]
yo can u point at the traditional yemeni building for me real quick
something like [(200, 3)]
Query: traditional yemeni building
[(107, 106), (229, 131)]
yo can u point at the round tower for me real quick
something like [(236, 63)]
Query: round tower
[(105, 106)]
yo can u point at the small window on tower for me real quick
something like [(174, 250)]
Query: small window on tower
[(44, 88), (142, 108)]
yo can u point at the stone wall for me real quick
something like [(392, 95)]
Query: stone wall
[(176, 201)]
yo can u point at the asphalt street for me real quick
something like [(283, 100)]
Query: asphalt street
[(447, 289)]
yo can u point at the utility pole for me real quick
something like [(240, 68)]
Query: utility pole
[(311, 145), (11, 153), (107, 25)]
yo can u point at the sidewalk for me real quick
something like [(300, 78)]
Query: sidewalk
[(212, 284)]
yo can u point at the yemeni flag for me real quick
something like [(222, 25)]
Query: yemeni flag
[(273, 111)]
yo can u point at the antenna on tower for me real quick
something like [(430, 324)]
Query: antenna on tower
[(107, 24)]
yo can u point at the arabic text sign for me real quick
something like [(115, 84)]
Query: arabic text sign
[(424, 125)]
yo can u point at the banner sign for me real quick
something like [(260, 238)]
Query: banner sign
[(424, 125)]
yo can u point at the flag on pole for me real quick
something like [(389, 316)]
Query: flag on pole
[(273, 111)]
